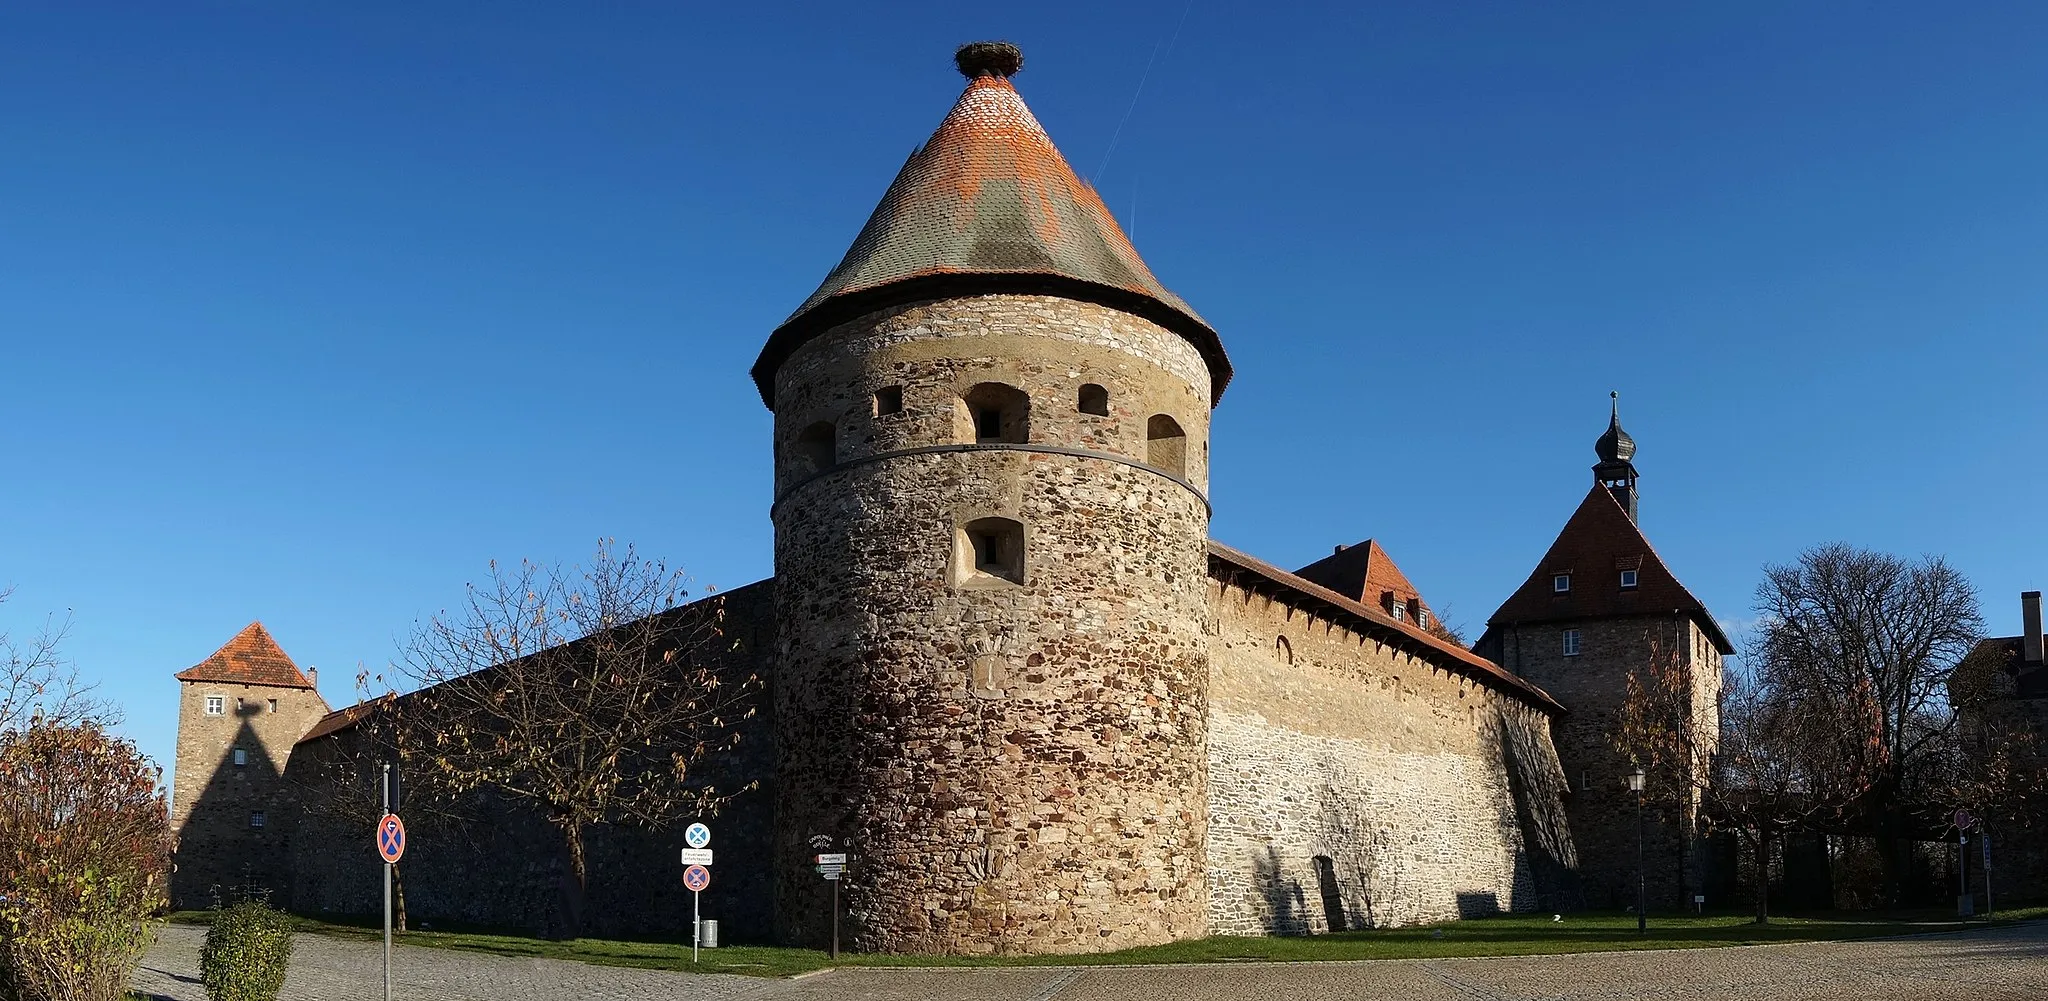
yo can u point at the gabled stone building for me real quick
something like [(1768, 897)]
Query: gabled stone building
[(240, 711), (1600, 604), (1007, 666)]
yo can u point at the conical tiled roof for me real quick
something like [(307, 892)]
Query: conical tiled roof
[(986, 205), (251, 658)]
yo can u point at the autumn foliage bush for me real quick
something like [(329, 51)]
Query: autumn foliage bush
[(84, 856)]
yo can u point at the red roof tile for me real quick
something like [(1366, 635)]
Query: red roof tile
[(988, 204), (251, 658), (1597, 543), (1465, 660), (1365, 574), (342, 719)]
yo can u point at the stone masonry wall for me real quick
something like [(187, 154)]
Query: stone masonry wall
[(486, 862), (1356, 786), (213, 799), (1593, 685), (1019, 766)]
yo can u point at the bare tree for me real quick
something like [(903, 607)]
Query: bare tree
[(592, 694), (37, 682), (1863, 643)]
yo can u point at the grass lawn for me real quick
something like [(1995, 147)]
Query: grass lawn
[(1514, 935)]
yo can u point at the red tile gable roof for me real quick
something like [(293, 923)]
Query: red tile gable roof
[(988, 197), (251, 658), (342, 719), (1365, 574), (1467, 662), (1597, 543)]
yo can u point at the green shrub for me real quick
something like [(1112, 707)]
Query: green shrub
[(84, 850), (246, 952)]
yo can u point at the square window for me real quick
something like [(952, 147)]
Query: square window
[(1560, 583), (1628, 580), (256, 820), (1571, 642), (241, 757), (216, 705), (888, 401)]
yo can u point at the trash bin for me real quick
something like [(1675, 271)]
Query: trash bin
[(707, 934)]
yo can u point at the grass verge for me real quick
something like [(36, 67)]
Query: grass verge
[(1508, 935)]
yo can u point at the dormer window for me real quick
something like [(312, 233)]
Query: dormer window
[(1422, 617), (1561, 583), (1399, 610), (1628, 580)]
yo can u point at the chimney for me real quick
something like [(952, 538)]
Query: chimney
[(2030, 627)]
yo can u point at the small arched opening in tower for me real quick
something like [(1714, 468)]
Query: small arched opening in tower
[(817, 447), (990, 549), (1283, 650), (1094, 400), (1166, 445), (993, 413)]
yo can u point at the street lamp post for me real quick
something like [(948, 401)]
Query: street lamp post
[(1635, 785)]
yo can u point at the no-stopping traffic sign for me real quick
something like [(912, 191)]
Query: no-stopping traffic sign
[(696, 878)]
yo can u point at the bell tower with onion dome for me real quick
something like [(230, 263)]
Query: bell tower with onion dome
[(991, 447)]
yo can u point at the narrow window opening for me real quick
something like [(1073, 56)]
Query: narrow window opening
[(995, 414), (273, 705), (238, 705), (1571, 642), (1422, 617), (888, 401), (817, 447), (1628, 580), (1166, 445), (1560, 583), (241, 757), (1095, 400), (992, 548), (1283, 650)]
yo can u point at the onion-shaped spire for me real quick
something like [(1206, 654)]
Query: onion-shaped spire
[(1615, 445)]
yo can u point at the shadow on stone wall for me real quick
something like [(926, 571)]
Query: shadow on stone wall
[(220, 849), (1285, 904), (1537, 787)]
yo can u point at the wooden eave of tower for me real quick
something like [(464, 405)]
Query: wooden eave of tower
[(1234, 566)]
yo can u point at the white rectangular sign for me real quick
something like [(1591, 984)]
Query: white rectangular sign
[(836, 859), (696, 856)]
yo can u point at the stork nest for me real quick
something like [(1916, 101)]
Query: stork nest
[(978, 59)]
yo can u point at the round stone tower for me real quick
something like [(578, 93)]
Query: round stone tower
[(991, 465)]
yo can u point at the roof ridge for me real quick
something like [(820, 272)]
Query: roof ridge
[(252, 657)]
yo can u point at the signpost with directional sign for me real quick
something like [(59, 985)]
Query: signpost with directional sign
[(831, 865), (696, 877)]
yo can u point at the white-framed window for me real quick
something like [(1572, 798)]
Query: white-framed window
[(1422, 617), (1400, 611), (1560, 583), (216, 705), (1628, 580), (256, 820), (1571, 642), (241, 757)]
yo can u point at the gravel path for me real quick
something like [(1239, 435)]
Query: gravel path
[(2003, 964)]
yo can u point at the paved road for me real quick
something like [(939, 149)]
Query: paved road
[(2005, 964)]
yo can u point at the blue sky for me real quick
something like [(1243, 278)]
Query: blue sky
[(307, 311)]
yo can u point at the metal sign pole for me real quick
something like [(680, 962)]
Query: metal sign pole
[(387, 890), (1984, 837), (696, 925), (835, 920)]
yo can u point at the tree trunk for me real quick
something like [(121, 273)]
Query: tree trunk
[(575, 876), (1892, 866), (398, 895), (1763, 878)]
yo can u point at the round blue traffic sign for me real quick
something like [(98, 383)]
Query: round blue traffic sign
[(391, 838), (697, 835), (696, 878)]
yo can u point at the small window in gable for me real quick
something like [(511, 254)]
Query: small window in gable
[(1560, 583), (817, 447), (1166, 445), (1283, 650), (1399, 610), (1095, 400), (888, 401), (216, 705), (1422, 617), (996, 414), (1571, 642), (1628, 580), (241, 757), (991, 548)]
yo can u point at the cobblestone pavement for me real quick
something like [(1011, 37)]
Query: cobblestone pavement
[(334, 969), (2004, 964)]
